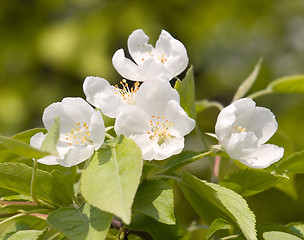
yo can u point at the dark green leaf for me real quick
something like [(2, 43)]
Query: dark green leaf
[(293, 164), (85, 223), (186, 90), (201, 105), (158, 230), (250, 181), (112, 178), (155, 199)]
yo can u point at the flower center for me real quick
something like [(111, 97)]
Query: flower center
[(159, 129), (238, 129), (162, 58), (126, 93), (79, 135)]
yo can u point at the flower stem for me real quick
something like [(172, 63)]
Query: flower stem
[(260, 93), (20, 215), (216, 169), (109, 136), (33, 182)]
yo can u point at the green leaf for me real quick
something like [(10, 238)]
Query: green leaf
[(85, 223), (274, 235), (22, 149), (217, 224), (51, 139), (249, 181), (288, 84), (186, 90), (293, 164), (249, 81), (201, 105), (155, 199), (17, 177), (25, 234), (158, 230), (112, 178), (227, 201)]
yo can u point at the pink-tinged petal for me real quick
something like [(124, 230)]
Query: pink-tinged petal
[(102, 95), (227, 117), (138, 47), (133, 120), (263, 156), (260, 121), (125, 67), (176, 114), (169, 147), (97, 129), (153, 96)]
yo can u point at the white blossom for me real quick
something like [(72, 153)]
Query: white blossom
[(81, 131), (157, 123), (242, 129), (165, 61), (110, 99)]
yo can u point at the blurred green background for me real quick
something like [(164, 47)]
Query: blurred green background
[(47, 48)]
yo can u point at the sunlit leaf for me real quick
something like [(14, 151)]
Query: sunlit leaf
[(112, 178), (288, 84), (226, 200), (17, 177), (25, 234)]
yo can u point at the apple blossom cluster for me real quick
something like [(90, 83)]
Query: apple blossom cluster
[(150, 113)]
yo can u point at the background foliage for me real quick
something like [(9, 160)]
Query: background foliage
[(47, 48)]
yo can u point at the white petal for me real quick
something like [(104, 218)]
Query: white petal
[(169, 147), (153, 96), (70, 110), (260, 121), (97, 130), (125, 67), (133, 120), (226, 118), (177, 59), (138, 47), (176, 114), (263, 156), (102, 95), (148, 147), (76, 155), (239, 143)]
